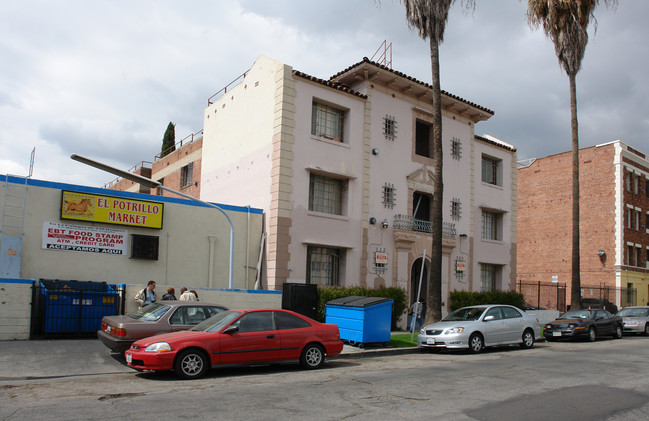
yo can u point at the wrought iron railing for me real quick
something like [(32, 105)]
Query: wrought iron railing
[(409, 223)]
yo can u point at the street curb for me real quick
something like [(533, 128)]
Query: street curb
[(369, 353)]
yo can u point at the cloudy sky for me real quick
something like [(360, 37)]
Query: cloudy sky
[(104, 78)]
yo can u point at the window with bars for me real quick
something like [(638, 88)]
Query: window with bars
[(456, 148), (488, 276), (456, 209), (389, 127), (323, 265), (491, 225), (389, 195), (187, 175), (490, 170), (327, 121), (325, 194)]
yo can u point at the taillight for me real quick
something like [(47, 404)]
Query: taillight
[(118, 331), (104, 325)]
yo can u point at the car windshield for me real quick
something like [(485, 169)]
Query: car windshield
[(150, 313), (466, 313), (218, 322), (577, 314), (633, 312)]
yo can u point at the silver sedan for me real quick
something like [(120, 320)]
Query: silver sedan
[(477, 327), (635, 319)]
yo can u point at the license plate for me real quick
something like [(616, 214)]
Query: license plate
[(129, 358), (430, 341), (108, 329), (556, 333)]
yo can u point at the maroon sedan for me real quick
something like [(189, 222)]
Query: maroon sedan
[(238, 337)]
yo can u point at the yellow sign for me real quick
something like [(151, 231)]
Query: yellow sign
[(111, 210)]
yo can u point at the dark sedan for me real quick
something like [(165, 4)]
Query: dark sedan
[(119, 332), (588, 324)]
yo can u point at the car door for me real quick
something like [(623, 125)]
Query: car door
[(515, 324), (604, 322), (494, 327), (293, 332), (256, 340)]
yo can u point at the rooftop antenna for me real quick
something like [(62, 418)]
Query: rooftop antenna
[(385, 54)]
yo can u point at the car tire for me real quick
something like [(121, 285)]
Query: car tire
[(617, 334), (476, 343), (646, 329), (592, 334), (312, 357), (528, 339), (191, 364)]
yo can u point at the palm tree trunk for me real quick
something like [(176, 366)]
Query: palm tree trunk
[(575, 300), (434, 299)]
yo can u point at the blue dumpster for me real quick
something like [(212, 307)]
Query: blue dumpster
[(76, 306), (361, 320)]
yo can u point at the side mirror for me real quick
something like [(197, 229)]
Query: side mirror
[(230, 329), (488, 319)]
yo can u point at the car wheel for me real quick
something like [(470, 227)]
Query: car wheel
[(618, 332), (475, 343), (312, 356), (592, 334), (528, 339), (646, 329), (190, 364)]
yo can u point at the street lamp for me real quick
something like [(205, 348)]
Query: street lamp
[(156, 184)]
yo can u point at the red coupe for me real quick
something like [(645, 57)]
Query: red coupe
[(238, 337)]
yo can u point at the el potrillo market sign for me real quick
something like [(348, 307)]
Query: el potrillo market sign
[(111, 210)]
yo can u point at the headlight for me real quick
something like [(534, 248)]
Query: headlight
[(548, 326), (423, 331), (572, 325), (158, 347), (454, 330)]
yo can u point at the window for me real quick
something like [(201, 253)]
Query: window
[(637, 220), (488, 277), (511, 313), (158, 189), (187, 175), (325, 194), (389, 195), (422, 139), (323, 266), (491, 222), (144, 247), (257, 321), (188, 315), (636, 184), (421, 211), (630, 255), (389, 127), (490, 168), (456, 209), (327, 121), (638, 256), (628, 218), (627, 181), (495, 313), (289, 321), (456, 148)]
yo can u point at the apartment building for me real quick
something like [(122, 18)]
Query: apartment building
[(614, 223), (343, 169)]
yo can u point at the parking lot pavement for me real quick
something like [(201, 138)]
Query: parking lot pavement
[(83, 357)]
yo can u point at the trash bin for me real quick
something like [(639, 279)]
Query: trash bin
[(361, 320), (76, 306)]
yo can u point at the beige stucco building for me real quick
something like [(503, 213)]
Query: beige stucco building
[(342, 168)]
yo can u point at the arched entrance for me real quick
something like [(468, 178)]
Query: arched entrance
[(415, 273)]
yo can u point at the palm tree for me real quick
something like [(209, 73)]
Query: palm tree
[(429, 18), (566, 22)]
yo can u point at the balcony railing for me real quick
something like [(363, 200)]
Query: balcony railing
[(409, 223)]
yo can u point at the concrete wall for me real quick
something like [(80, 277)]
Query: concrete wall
[(15, 308)]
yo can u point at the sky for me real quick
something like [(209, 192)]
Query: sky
[(103, 78)]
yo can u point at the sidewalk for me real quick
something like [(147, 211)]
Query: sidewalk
[(37, 359)]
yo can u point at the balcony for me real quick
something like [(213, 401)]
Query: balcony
[(409, 223)]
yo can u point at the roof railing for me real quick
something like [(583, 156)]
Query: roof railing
[(211, 100)]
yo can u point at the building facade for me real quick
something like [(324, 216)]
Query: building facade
[(614, 223), (343, 169)]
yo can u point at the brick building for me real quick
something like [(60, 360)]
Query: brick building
[(614, 221)]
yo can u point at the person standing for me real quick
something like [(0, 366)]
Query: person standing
[(170, 295), (187, 295), (147, 295)]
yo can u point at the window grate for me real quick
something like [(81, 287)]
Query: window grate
[(327, 121), (389, 195), (456, 148), (389, 127)]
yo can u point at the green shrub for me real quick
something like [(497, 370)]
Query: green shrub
[(397, 294), (466, 298)]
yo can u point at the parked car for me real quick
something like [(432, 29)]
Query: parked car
[(635, 319), (238, 337), (119, 332), (476, 327), (589, 324)]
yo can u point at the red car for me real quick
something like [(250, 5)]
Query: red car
[(238, 337)]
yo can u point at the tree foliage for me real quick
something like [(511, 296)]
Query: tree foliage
[(169, 140)]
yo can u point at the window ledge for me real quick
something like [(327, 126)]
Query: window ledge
[(485, 240), (330, 141), (328, 215), (495, 186)]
